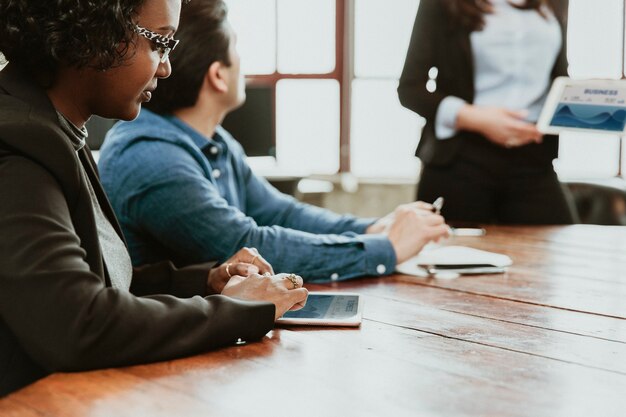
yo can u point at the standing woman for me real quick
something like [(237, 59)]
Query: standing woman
[(69, 298), (479, 71)]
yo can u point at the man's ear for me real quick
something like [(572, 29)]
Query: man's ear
[(215, 77)]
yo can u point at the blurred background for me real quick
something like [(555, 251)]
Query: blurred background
[(322, 103)]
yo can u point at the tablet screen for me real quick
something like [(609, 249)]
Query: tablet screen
[(587, 107), (324, 306)]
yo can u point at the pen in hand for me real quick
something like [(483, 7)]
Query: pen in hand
[(438, 205)]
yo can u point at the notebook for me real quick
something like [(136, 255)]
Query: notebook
[(454, 259)]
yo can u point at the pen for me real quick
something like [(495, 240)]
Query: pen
[(437, 205)]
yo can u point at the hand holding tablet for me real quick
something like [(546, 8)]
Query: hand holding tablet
[(584, 106)]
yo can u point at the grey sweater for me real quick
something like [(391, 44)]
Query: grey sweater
[(116, 257)]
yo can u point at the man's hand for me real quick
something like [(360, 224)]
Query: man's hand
[(382, 225), (412, 228)]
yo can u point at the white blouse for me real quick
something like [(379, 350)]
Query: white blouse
[(513, 59)]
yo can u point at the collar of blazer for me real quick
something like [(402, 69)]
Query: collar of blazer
[(27, 116), (29, 126)]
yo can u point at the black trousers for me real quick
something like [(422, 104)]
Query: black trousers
[(491, 185)]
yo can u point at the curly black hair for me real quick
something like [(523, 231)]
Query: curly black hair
[(37, 35)]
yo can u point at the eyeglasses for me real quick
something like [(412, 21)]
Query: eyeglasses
[(162, 44)]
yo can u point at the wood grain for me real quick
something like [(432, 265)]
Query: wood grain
[(546, 339)]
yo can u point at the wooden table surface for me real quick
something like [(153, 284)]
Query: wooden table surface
[(548, 338)]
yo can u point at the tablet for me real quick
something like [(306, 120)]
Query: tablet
[(584, 106), (327, 309)]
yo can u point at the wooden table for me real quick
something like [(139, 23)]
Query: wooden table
[(546, 339)]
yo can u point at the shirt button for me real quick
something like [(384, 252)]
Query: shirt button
[(213, 150), (216, 173), (334, 277), (381, 269)]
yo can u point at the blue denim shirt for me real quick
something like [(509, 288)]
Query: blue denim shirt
[(181, 196)]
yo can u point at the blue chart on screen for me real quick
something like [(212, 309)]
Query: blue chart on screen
[(316, 307), (586, 116), (327, 307)]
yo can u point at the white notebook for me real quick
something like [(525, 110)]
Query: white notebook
[(459, 259)]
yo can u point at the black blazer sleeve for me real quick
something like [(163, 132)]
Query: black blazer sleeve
[(165, 278), (427, 39), (66, 318), (436, 43)]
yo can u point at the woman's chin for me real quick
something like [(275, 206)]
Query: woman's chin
[(128, 112), (131, 113)]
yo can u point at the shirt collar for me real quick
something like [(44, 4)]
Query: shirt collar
[(198, 138)]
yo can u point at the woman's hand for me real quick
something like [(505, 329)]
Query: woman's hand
[(503, 127), (283, 290), (245, 262)]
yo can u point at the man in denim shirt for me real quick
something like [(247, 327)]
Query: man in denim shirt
[(182, 189)]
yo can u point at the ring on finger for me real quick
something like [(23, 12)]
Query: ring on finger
[(227, 269), (294, 280)]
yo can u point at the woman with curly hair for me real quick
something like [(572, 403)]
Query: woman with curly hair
[(69, 298)]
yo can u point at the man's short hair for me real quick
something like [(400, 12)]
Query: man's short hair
[(204, 39)]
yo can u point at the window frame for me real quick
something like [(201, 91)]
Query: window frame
[(342, 74)]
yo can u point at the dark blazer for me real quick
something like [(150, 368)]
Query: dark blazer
[(438, 42), (58, 311)]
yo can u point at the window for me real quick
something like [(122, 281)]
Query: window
[(384, 134), (307, 125), (255, 24), (291, 45), (334, 65)]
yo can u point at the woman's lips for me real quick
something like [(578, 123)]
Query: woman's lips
[(146, 96)]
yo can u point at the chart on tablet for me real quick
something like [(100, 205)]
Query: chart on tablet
[(591, 108)]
